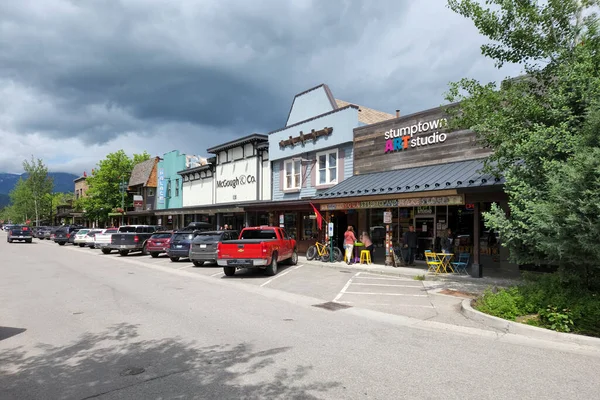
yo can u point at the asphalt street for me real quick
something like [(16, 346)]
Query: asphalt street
[(77, 324)]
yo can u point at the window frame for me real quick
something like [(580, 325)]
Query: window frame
[(327, 153), (176, 187), (293, 162)]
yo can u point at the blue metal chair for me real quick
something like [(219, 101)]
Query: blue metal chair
[(460, 266)]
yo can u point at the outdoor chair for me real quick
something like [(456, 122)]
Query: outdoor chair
[(460, 266), (433, 263)]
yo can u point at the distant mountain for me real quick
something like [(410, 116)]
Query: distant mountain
[(4, 200), (63, 182)]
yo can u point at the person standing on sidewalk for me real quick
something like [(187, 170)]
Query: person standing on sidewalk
[(368, 243), (349, 240), (410, 245)]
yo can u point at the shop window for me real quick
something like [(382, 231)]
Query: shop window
[(310, 230), (176, 187), (150, 192), (327, 164), (290, 225), (292, 172)]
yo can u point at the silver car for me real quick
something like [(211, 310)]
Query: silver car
[(204, 246)]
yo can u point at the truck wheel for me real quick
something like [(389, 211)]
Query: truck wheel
[(106, 251), (61, 243), (311, 253), (174, 259), (154, 254), (81, 244), (294, 258), (198, 263), (229, 271), (123, 253), (272, 268)]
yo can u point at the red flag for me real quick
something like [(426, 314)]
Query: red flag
[(319, 216)]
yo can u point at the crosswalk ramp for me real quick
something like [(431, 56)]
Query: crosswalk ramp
[(388, 294)]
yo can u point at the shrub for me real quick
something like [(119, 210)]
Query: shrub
[(504, 304)]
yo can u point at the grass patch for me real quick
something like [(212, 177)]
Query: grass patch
[(419, 277), (551, 301)]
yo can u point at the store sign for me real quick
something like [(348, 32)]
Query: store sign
[(424, 210), (405, 139), (432, 201), (161, 186), (360, 204), (387, 217), (239, 181)]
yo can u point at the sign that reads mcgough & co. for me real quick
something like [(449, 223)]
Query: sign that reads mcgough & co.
[(235, 182), (416, 135)]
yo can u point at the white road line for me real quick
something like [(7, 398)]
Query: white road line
[(385, 304), (217, 274), (346, 286), (280, 275), (388, 294), (184, 267), (387, 279), (382, 284)]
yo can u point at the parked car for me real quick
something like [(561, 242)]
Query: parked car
[(80, 237), (7, 227), (50, 233), (65, 234), (258, 247), (90, 237), (21, 233), (131, 238), (102, 240), (72, 236), (204, 245), (159, 243), (180, 245)]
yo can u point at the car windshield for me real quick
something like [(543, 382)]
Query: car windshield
[(209, 237), (183, 236), (259, 234), (83, 231), (161, 236), (126, 229)]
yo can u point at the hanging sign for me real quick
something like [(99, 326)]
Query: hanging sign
[(387, 217)]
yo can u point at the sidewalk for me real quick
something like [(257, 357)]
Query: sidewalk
[(433, 283)]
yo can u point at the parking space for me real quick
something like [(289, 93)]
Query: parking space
[(394, 295)]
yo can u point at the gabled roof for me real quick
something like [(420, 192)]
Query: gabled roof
[(141, 172), (327, 92), (367, 115), (455, 175)]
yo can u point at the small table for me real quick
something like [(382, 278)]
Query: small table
[(445, 260), (357, 251)]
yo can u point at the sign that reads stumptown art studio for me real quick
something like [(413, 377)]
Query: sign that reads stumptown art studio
[(416, 135), (239, 181)]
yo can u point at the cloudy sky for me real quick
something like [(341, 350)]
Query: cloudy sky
[(80, 79)]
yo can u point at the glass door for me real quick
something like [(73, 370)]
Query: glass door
[(425, 228)]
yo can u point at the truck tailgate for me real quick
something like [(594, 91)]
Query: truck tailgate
[(242, 249), (123, 239)]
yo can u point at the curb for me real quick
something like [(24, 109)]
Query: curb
[(516, 328)]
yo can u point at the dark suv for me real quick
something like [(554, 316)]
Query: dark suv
[(20, 233), (180, 244), (64, 233)]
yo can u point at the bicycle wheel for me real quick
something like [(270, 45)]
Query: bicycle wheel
[(325, 256), (311, 253), (337, 254)]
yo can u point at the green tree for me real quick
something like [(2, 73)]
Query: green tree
[(541, 126), (104, 195), (39, 184), (21, 201)]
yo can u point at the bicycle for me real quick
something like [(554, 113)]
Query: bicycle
[(321, 250)]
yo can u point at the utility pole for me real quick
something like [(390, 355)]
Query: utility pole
[(122, 188)]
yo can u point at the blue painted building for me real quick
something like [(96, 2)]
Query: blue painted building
[(170, 187), (310, 154)]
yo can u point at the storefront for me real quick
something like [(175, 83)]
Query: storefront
[(311, 154), (412, 171)]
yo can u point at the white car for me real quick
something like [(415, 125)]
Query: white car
[(90, 238), (81, 237)]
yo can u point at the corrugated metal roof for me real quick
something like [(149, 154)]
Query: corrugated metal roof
[(455, 175)]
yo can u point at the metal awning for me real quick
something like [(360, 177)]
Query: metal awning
[(447, 176)]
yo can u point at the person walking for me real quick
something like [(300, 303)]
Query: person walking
[(349, 240), (447, 241), (366, 240), (410, 245)]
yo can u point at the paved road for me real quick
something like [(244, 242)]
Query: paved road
[(80, 325)]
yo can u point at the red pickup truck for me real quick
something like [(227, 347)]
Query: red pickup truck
[(259, 247)]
